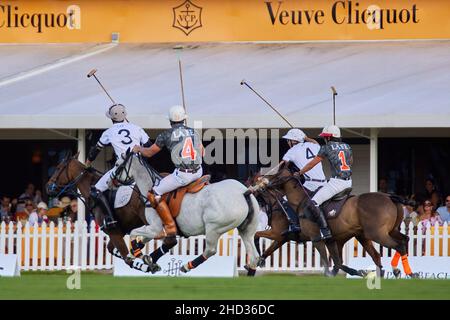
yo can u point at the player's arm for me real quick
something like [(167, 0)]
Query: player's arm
[(147, 152), (93, 153), (310, 165)]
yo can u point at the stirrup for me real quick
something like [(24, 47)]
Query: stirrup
[(108, 224), (291, 229), (325, 233)]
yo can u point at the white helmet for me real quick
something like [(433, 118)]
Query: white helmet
[(177, 114), (296, 135), (117, 112), (331, 131)]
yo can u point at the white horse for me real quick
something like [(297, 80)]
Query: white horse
[(214, 210)]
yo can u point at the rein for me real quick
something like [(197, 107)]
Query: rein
[(126, 166)]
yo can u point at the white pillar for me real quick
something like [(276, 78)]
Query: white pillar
[(373, 160), (81, 157)]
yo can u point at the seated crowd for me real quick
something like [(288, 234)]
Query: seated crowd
[(30, 207), (430, 206)]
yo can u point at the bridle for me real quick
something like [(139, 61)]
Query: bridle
[(69, 188), (273, 185)]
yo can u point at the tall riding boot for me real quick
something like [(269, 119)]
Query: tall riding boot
[(292, 217), (101, 201), (319, 216), (164, 213)]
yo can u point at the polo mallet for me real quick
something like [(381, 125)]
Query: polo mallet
[(243, 82), (92, 73), (333, 89), (178, 49)]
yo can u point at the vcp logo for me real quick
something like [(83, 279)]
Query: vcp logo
[(187, 17)]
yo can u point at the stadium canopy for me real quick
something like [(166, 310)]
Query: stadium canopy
[(380, 84)]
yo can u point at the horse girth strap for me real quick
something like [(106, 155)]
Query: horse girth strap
[(175, 198)]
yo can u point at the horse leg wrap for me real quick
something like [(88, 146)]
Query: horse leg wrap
[(395, 259), (197, 261), (136, 248), (251, 272), (158, 253), (405, 264)]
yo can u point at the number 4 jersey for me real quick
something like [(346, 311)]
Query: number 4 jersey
[(122, 136), (184, 144), (340, 156)]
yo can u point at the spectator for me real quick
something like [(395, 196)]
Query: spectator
[(22, 216), (444, 211), (436, 199), (410, 215), (5, 209), (73, 214), (64, 205), (24, 197), (39, 215), (383, 185), (429, 215)]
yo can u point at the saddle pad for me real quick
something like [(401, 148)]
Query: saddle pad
[(333, 208), (123, 196)]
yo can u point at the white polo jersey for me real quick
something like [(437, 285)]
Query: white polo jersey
[(122, 136), (300, 155)]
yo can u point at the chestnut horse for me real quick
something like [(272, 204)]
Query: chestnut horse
[(368, 217), (70, 175)]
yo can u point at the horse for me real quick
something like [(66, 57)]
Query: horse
[(214, 210), (71, 174), (368, 217), (278, 223)]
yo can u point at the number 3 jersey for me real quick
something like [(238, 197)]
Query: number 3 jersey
[(184, 144), (340, 156), (122, 136)]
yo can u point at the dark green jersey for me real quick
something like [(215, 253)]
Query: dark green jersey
[(340, 156), (184, 144)]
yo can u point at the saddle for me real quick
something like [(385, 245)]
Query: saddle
[(332, 208), (174, 198)]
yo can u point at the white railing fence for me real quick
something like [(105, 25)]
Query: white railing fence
[(77, 245)]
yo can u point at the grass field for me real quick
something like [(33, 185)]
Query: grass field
[(41, 285)]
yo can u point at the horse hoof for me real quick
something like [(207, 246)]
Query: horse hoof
[(129, 261), (184, 269), (334, 272), (329, 274), (261, 262), (397, 273), (154, 268), (414, 275), (362, 273)]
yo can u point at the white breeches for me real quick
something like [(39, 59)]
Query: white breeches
[(176, 180), (103, 183), (331, 188)]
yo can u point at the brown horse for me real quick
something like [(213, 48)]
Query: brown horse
[(278, 223), (70, 175), (367, 217)]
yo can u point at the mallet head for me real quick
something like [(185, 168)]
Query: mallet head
[(91, 73), (334, 90), (242, 82)]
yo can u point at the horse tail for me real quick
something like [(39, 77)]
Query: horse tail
[(399, 201), (251, 210)]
